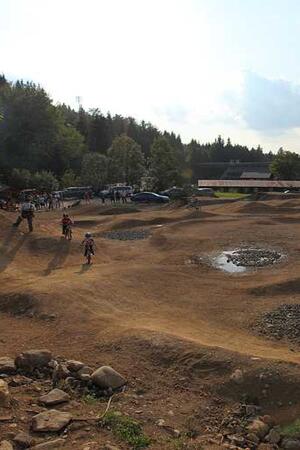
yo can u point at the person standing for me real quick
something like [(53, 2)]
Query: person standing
[(27, 212)]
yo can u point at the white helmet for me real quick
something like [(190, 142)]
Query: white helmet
[(88, 235)]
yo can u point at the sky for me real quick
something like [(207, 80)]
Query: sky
[(199, 68)]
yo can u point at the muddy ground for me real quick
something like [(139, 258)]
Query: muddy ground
[(177, 330)]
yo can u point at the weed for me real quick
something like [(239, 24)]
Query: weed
[(126, 429), (90, 399), (292, 429)]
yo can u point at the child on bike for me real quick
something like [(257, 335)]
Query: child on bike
[(89, 244), (66, 223)]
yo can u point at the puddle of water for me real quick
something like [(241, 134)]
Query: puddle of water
[(223, 263)]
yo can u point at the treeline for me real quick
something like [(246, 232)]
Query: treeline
[(54, 145)]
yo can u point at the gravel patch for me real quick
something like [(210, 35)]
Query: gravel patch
[(281, 323), (253, 257), (127, 235)]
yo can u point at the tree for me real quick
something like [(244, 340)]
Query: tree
[(126, 161), (164, 165), (20, 178), (94, 170), (44, 181), (286, 165), (69, 178)]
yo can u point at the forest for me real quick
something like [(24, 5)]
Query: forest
[(49, 145)]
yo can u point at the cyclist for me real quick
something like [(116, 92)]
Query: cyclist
[(89, 245), (66, 226)]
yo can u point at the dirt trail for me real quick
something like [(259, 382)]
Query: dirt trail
[(148, 284)]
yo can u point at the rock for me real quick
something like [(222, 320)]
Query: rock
[(60, 372), (253, 438), (273, 437), (54, 397), (74, 366), (6, 417), (7, 365), (49, 445), (237, 376), (6, 445), (259, 428), (33, 359), (84, 373), (23, 440), (265, 447), (110, 447), (161, 423), (268, 420), (106, 377), (4, 394), (290, 444), (51, 420), (20, 380)]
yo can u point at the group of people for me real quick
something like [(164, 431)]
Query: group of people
[(27, 211), (115, 196), (47, 201)]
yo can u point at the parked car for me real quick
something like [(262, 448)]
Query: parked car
[(76, 192), (149, 197), (174, 192), (207, 192)]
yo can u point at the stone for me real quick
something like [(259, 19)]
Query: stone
[(237, 376), (23, 440), (290, 444), (60, 372), (54, 397), (265, 447), (49, 445), (74, 366), (4, 395), (51, 420), (106, 377), (33, 359), (253, 438), (7, 365), (273, 437), (110, 447), (85, 370), (161, 423), (6, 445), (259, 428)]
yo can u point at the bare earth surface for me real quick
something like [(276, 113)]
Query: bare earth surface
[(157, 311)]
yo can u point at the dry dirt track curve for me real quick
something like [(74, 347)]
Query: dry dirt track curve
[(149, 284)]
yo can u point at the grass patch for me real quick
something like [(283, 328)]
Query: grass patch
[(292, 429), (90, 399), (239, 195), (126, 429)]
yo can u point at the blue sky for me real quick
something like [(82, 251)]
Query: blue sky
[(198, 67)]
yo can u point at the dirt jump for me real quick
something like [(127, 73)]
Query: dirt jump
[(198, 345)]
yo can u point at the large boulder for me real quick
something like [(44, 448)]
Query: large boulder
[(7, 365), (106, 377), (49, 445), (4, 394), (51, 420), (54, 397), (33, 359)]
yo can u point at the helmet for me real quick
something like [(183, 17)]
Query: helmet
[(88, 235)]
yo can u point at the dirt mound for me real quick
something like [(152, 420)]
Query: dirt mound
[(119, 210), (126, 224), (281, 323), (127, 235), (285, 287), (86, 223), (18, 304), (255, 208)]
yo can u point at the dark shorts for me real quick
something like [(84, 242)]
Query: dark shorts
[(88, 249)]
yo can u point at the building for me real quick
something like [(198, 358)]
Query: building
[(250, 185)]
